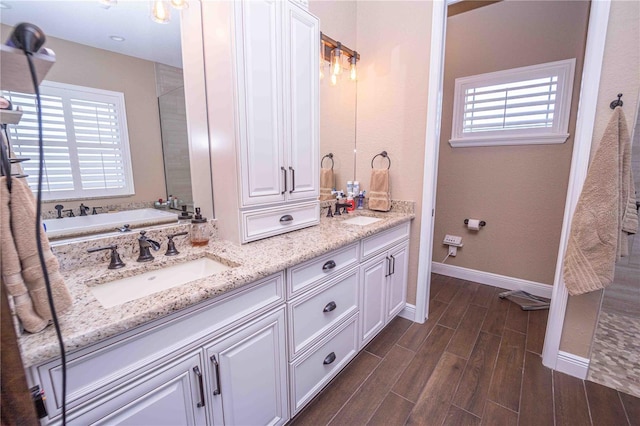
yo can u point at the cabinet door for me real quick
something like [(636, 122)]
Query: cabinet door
[(301, 80), (373, 276), (397, 281), (248, 374), (170, 395), (259, 73)]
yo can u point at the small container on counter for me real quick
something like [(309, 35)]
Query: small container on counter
[(200, 230)]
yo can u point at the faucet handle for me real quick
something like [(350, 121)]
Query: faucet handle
[(171, 246), (116, 262)]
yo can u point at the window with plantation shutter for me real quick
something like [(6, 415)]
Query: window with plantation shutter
[(528, 105), (85, 141)]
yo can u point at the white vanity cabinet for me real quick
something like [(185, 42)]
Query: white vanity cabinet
[(124, 377), (263, 105)]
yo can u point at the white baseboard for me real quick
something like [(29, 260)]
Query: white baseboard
[(409, 312), (495, 280), (572, 365)]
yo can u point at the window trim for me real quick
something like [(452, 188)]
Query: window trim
[(557, 134), (96, 94)]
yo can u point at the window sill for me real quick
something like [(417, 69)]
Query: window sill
[(535, 139)]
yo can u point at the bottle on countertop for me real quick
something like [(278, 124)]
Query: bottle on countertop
[(200, 231), (349, 188), (356, 188)]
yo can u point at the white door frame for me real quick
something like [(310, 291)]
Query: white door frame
[(593, 58)]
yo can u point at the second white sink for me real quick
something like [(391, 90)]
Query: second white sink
[(362, 220), (117, 292)]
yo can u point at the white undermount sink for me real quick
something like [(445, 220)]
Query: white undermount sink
[(117, 292), (361, 220)]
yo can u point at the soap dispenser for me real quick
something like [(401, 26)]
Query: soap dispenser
[(200, 231)]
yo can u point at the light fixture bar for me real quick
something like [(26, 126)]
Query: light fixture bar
[(330, 44)]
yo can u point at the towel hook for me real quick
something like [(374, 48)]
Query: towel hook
[(382, 154), (617, 102), (330, 157)]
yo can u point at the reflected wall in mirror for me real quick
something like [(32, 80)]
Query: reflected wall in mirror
[(338, 102), (145, 67)]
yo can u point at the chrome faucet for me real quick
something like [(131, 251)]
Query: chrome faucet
[(145, 245)]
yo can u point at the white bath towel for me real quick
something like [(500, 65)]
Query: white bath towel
[(605, 214)]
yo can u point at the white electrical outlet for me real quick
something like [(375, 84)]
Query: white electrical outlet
[(453, 250), (452, 240)]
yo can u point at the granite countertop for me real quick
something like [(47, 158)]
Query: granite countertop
[(88, 322)]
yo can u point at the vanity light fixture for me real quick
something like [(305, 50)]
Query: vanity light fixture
[(160, 12), (340, 57)]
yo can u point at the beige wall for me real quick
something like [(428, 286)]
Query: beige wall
[(338, 103), (394, 38), (519, 191), (87, 66), (620, 74)]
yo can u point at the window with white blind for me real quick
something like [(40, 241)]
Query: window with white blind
[(528, 105), (85, 140)]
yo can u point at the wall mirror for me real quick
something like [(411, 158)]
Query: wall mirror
[(338, 102), (116, 46)]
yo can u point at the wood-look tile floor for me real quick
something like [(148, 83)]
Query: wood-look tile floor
[(475, 361)]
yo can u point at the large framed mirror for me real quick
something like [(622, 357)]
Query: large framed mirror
[(338, 101), (116, 46)]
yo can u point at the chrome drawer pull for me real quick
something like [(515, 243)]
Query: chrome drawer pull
[(329, 265), (393, 265), (388, 271), (199, 374), (330, 307), (286, 218), (330, 358)]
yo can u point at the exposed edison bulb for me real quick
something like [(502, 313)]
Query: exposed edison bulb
[(352, 72), (336, 61), (180, 4), (334, 79), (160, 12)]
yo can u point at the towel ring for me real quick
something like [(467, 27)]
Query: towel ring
[(330, 157), (382, 154)]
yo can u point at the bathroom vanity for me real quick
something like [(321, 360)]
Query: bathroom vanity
[(251, 344)]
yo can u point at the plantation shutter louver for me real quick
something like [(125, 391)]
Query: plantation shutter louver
[(86, 150), (528, 105)]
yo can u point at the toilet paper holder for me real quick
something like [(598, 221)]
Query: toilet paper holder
[(482, 222)]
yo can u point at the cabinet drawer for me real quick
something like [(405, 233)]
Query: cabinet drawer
[(377, 243), (269, 222), (320, 268), (321, 363), (98, 368), (312, 315)]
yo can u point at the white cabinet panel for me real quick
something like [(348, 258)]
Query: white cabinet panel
[(170, 395), (248, 374), (301, 94), (397, 281), (316, 367), (316, 313), (373, 277), (258, 27)]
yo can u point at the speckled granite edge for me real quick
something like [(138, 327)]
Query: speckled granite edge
[(87, 322)]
